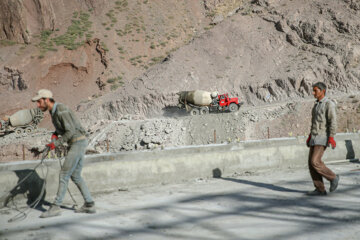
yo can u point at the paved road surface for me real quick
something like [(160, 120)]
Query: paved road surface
[(257, 205)]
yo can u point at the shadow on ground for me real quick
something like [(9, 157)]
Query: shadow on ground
[(173, 111), (309, 213), (30, 185)]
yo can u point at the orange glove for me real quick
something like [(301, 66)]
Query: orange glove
[(332, 142), (308, 141)]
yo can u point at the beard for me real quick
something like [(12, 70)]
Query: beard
[(44, 108)]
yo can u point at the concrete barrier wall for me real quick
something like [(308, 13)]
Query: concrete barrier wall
[(109, 172)]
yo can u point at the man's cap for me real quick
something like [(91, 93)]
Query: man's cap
[(42, 93)]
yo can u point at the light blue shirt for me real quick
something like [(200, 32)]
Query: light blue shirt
[(53, 109)]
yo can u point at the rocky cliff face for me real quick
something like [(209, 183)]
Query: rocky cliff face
[(269, 51), (12, 79), (21, 20), (12, 26), (131, 37)]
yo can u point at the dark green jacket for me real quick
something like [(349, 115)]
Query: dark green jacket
[(67, 126)]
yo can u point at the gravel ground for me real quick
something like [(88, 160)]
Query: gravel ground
[(256, 205)]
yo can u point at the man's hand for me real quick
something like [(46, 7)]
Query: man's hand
[(308, 141), (51, 145), (332, 142)]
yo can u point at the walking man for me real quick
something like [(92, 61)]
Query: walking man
[(67, 130), (323, 129)]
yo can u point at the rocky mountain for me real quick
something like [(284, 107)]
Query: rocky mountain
[(120, 63), (268, 51), (85, 48)]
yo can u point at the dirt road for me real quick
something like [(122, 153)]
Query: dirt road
[(257, 205)]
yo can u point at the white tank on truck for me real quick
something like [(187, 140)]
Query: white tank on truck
[(23, 117), (196, 97), (22, 122)]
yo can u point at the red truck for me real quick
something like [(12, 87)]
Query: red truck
[(221, 102)]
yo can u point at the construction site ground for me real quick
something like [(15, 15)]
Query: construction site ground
[(269, 204)]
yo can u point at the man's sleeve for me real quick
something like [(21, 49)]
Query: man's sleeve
[(331, 118)]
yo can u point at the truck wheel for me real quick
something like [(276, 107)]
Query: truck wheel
[(18, 132), (194, 112), (233, 107), (204, 110), (29, 130)]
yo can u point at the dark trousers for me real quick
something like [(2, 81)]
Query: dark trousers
[(318, 169)]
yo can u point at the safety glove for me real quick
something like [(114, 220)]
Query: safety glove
[(332, 142), (308, 141), (54, 137), (51, 145)]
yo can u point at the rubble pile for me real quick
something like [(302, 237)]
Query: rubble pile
[(129, 135)]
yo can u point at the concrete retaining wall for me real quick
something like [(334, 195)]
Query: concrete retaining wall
[(109, 172)]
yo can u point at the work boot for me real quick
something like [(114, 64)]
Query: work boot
[(87, 208), (53, 211), (334, 183), (316, 192)]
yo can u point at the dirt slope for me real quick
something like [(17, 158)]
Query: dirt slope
[(268, 51), (83, 49)]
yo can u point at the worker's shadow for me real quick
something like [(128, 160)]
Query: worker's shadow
[(31, 186), (217, 174)]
